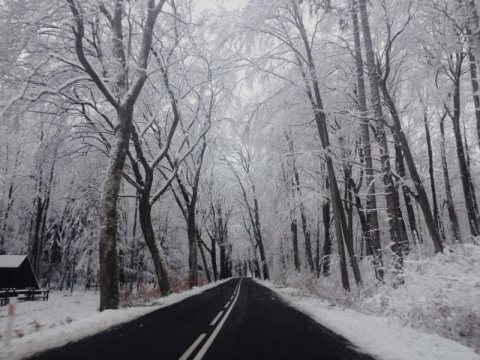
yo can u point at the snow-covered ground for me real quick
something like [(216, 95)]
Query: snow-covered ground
[(384, 338), (66, 317)]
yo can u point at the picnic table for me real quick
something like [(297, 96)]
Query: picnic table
[(29, 294)]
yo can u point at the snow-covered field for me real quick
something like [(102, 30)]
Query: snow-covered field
[(382, 337), (65, 317)]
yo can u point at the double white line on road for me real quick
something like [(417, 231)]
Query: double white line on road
[(215, 332)]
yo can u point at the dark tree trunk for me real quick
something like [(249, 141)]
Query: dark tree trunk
[(349, 226), (109, 292), (373, 246), (462, 162), (192, 248), (400, 168), (46, 206), (204, 259), (362, 216), (303, 217), (145, 210), (256, 268), (39, 204), (470, 179), (317, 248), (308, 239), (259, 238), (312, 90), (377, 80), (223, 262), (431, 173), (421, 195), (476, 95), (123, 100), (214, 258), (452, 214), (294, 230), (474, 37), (327, 245), (393, 203)]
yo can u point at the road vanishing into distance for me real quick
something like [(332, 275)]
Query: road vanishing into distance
[(239, 319)]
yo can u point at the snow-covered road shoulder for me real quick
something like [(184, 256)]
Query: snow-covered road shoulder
[(380, 337), (66, 317)]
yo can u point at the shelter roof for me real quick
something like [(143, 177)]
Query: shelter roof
[(11, 261)]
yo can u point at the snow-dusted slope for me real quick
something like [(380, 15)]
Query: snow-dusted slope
[(381, 337)]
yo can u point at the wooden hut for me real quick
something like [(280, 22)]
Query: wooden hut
[(16, 272)]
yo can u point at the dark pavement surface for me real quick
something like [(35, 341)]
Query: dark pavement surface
[(254, 324)]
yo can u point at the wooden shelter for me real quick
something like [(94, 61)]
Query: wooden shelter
[(16, 272)]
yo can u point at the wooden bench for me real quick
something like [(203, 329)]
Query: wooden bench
[(23, 294)]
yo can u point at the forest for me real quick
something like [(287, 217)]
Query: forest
[(331, 145)]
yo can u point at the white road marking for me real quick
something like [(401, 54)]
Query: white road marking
[(216, 318), (232, 297), (192, 348), (212, 337), (226, 305)]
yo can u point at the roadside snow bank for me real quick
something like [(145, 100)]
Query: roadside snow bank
[(441, 294), (381, 337), (65, 317)]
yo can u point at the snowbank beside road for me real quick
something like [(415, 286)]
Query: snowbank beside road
[(65, 317), (381, 337)]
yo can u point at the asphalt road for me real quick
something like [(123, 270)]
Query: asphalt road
[(236, 320)]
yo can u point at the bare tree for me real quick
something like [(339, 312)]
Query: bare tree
[(122, 96)]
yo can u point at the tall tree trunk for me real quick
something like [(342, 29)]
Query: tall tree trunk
[(452, 214), (214, 258), (303, 217), (421, 195), (393, 204), (145, 218), (400, 168), (313, 92), (378, 80), (349, 220), (317, 248), (462, 162), (223, 261), (259, 238), (291, 184), (46, 206), (155, 249), (294, 230), (470, 179), (223, 246), (39, 204), (123, 100), (192, 248), (204, 259), (431, 173), (362, 216), (474, 81), (134, 248), (109, 292), (474, 35), (327, 244), (373, 240)]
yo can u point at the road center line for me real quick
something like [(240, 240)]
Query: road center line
[(192, 348), (212, 337), (226, 305), (216, 318)]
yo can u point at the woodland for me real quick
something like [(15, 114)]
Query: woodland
[(333, 145)]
